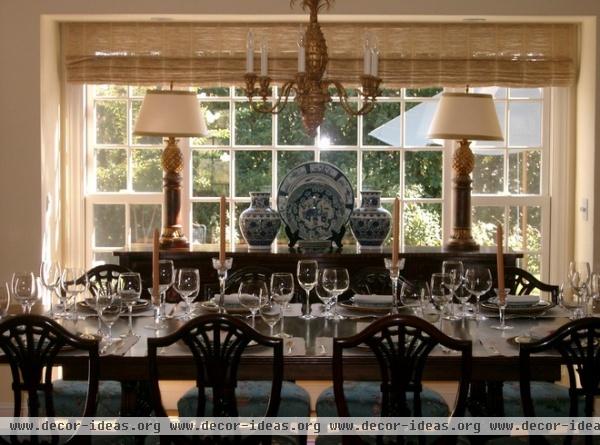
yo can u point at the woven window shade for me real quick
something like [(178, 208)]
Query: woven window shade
[(411, 54)]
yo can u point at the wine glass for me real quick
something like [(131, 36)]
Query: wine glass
[(336, 281), (166, 278), (441, 293), (502, 310), (129, 287), (271, 312), (4, 300), (579, 277), (572, 301), (50, 278), (73, 282), (187, 284), (478, 282), (595, 286), (325, 297), (414, 295), (252, 294), (111, 307), (282, 291), (394, 271), (24, 288), (455, 271), (308, 273)]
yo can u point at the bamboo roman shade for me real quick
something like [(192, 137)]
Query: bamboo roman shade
[(411, 54)]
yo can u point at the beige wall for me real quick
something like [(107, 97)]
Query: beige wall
[(25, 94)]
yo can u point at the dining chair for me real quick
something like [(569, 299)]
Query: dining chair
[(216, 343), (31, 344), (521, 282), (247, 273), (372, 280), (105, 276), (402, 345)]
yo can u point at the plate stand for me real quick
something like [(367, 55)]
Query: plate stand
[(335, 237)]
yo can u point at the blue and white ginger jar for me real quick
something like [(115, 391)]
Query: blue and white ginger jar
[(259, 223), (370, 223)]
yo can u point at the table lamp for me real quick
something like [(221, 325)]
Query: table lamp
[(171, 114), (464, 117)]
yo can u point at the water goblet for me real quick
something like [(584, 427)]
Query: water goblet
[(394, 271), (325, 296), (252, 294), (4, 300), (166, 277), (336, 281), (502, 309), (441, 293), (271, 312), (455, 271), (572, 301), (222, 269), (478, 282), (579, 275), (129, 288), (25, 290), (595, 286), (187, 284), (111, 311), (308, 274), (50, 273), (73, 281), (282, 291), (414, 295)]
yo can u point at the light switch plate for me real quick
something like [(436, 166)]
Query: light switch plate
[(584, 209)]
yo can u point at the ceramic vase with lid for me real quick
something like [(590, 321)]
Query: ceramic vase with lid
[(370, 223), (259, 223)]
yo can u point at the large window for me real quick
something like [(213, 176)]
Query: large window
[(386, 150)]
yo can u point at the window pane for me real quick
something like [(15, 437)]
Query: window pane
[(338, 128), (423, 174), (290, 130), (104, 258), (213, 92), (251, 127), (485, 219), (418, 117), (252, 172), (141, 91), (500, 109), (110, 90), (144, 219), (496, 92), (422, 225), (217, 121), (205, 219), (385, 92), (345, 161), (111, 122), (142, 140), (532, 263), (525, 228), (111, 169), (147, 170), (210, 172), (381, 171), (524, 171), (423, 92), (109, 225), (528, 93), (525, 124), (385, 122), (287, 160), (488, 174)]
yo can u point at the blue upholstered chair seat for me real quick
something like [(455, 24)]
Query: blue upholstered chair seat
[(252, 398), (549, 400), (69, 398)]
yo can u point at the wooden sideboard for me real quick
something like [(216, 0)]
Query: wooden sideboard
[(420, 262)]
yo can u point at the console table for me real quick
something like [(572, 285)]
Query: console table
[(421, 262)]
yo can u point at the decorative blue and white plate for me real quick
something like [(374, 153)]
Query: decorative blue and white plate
[(315, 201)]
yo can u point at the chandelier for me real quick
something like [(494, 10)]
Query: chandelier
[(310, 86)]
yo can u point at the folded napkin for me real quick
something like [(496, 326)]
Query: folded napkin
[(228, 299), (372, 299)]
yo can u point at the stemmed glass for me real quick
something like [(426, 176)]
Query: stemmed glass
[(4, 300), (394, 271), (414, 295), (129, 287), (441, 293), (252, 294), (325, 297), (166, 277), (502, 310), (282, 291), (579, 276), (308, 273), (222, 269), (73, 282), (595, 286), (572, 301), (50, 277), (336, 281), (455, 272), (24, 287), (187, 284), (111, 307), (478, 282), (271, 312)]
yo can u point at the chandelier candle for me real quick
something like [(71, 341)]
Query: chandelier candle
[(222, 230), (500, 262)]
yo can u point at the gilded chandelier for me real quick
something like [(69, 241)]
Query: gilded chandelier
[(310, 86)]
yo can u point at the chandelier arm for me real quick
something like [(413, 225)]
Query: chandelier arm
[(281, 103), (368, 100)]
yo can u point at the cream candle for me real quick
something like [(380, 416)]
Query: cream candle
[(222, 236)]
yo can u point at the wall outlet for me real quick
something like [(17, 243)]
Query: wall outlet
[(584, 209)]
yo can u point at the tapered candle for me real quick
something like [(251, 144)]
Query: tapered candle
[(374, 61), (395, 231), (500, 262), (223, 222), (367, 57), (155, 272)]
